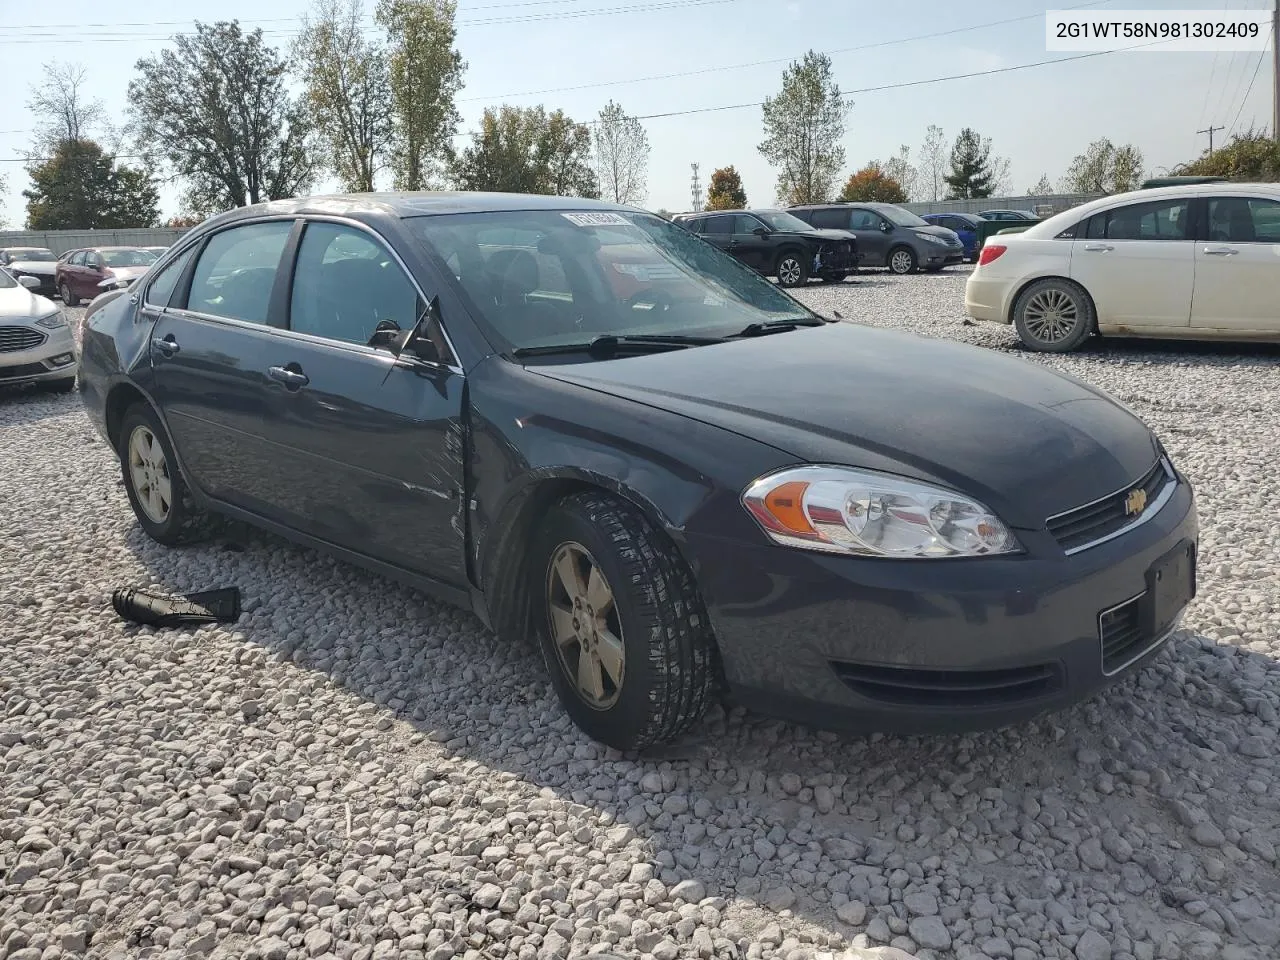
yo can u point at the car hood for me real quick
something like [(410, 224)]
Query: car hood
[(127, 273), (19, 303), (1028, 442), (830, 234), (35, 267), (944, 232)]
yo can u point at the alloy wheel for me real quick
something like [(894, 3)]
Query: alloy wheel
[(789, 271), (585, 625), (149, 472), (1051, 315), (900, 262)]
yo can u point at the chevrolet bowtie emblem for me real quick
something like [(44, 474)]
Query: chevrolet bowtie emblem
[(1135, 502)]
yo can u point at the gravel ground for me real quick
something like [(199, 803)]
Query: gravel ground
[(353, 770)]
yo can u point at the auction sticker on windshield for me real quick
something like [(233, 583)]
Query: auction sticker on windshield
[(597, 219)]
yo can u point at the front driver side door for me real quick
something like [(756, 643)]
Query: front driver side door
[(369, 447), (754, 250), (873, 241)]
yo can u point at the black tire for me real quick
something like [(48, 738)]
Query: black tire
[(792, 269), (669, 659), (184, 522), (68, 298), (1053, 316), (65, 385), (901, 260)]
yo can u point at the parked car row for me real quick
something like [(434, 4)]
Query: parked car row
[(79, 274)]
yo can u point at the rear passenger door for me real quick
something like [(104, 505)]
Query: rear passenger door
[(367, 448), (1237, 266), (718, 230)]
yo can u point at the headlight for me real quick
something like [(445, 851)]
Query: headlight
[(115, 283), (52, 321), (941, 241), (869, 514)]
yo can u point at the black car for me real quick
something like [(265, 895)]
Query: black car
[(593, 428), (777, 244), (888, 235)]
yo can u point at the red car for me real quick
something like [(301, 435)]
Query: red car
[(82, 275)]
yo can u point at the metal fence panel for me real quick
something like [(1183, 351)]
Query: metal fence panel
[(60, 241), (1044, 205)]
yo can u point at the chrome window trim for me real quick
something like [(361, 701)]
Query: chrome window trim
[(1156, 506)]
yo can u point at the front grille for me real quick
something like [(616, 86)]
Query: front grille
[(1078, 529), (21, 371), (19, 338), (909, 686), (1122, 635)]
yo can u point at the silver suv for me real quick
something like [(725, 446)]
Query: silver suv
[(36, 345), (888, 236)]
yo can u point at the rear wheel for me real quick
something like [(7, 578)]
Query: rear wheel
[(902, 260), (1053, 316), (69, 298), (158, 494), (620, 623), (791, 270)]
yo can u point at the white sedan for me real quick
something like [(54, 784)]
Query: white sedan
[(1199, 261), (35, 341)]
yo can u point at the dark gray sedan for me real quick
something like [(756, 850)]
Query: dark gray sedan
[(591, 427)]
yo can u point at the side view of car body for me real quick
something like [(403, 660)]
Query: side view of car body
[(597, 430), (777, 244), (1009, 216), (1195, 261), (36, 262), (969, 227), (888, 235), (81, 276), (35, 342)]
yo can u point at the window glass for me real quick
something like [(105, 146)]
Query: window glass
[(863, 220), (830, 219), (77, 259), (903, 218), (1244, 220), (128, 258), (717, 225), (235, 273), (1157, 220), (161, 288), (346, 283), (568, 282), (742, 223)]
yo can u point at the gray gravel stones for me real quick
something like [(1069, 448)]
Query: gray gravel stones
[(353, 771)]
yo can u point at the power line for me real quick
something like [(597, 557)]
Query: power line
[(1210, 130), (1245, 99)]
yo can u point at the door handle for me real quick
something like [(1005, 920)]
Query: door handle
[(1099, 247), (1220, 251), (167, 346), (291, 376)]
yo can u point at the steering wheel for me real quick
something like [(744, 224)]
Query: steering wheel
[(659, 299)]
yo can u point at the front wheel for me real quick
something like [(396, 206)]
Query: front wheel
[(157, 492), (620, 623), (902, 260), (1053, 316), (69, 298), (792, 270)]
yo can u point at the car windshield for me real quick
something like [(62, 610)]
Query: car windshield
[(903, 218), (545, 277), (6, 281), (128, 258), (32, 255), (784, 221)]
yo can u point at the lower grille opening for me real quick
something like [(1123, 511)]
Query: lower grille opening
[(1123, 635), (21, 370), (949, 688)]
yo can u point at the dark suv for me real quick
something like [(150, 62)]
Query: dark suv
[(888, 236), (778, 244)]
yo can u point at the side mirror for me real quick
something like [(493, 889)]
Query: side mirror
[(31, 283), (385, 334), (416, 342), (761, 231), (886, 226)]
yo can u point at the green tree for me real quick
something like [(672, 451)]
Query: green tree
[(1105, 168), (215, 110), (527, 150), (872, 185), (971, 174), (803, 126), (725, 191), (348, 91), (622, 155), (81, 188), (1041, 188), (1252, 156), (426, 75)]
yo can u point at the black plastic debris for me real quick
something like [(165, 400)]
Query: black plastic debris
[(175, 610)]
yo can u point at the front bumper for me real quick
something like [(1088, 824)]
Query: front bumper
[(835, 259), (936, 256), (53, 359), (931, 646)]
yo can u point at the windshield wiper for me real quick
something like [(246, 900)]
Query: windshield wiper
[(779, 326), (608, 344)]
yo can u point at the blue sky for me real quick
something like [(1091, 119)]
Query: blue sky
[(1038, 117)]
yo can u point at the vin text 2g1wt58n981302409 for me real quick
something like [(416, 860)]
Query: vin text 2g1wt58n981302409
[(591, 426)]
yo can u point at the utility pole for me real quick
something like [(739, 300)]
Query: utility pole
[(1275, 73), (1211, 130), (696, 185)]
